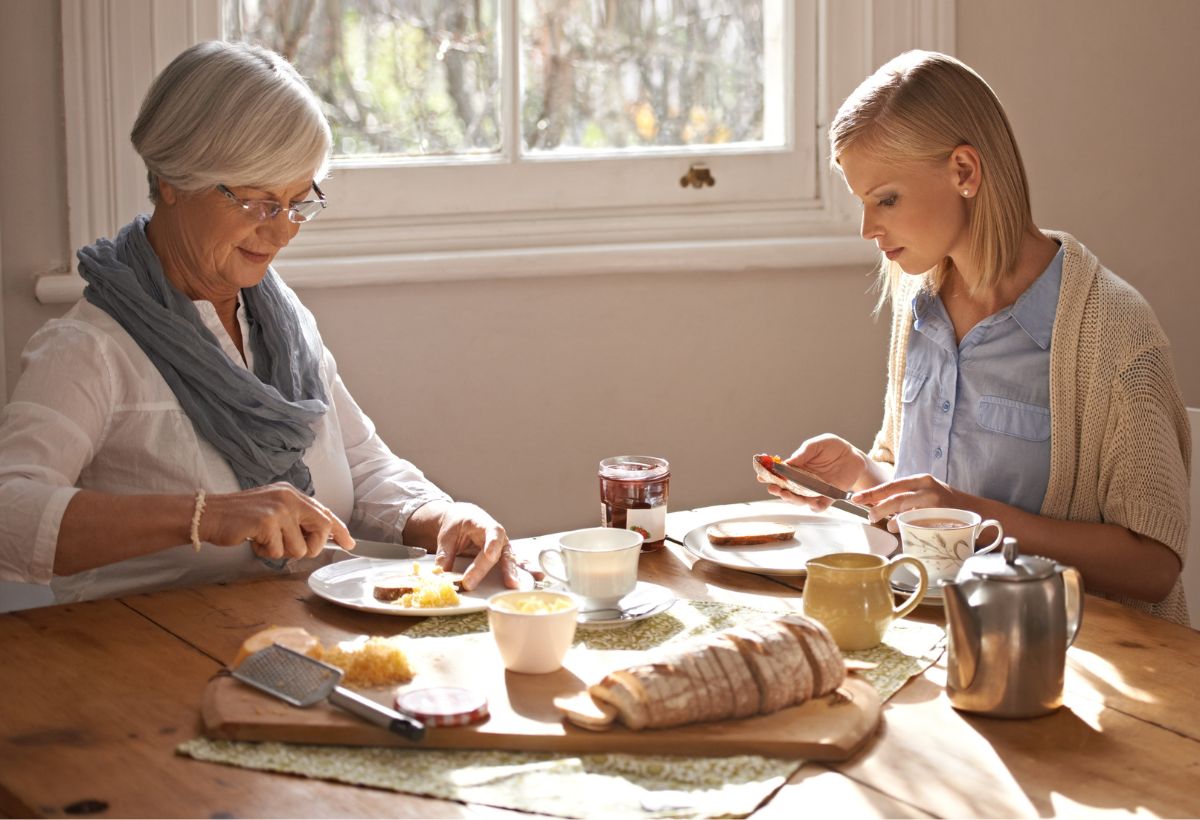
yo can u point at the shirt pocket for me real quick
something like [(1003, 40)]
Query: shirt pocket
[(1014, 418), (913, 382)]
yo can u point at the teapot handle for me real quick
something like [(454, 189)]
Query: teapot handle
[(1073, 585)]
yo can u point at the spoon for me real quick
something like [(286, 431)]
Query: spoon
[(622, 614)]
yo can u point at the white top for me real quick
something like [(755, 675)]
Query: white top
[(91, 411)]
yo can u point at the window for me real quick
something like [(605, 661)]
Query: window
[(405, 80), (521, 137)]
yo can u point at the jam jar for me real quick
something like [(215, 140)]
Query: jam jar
[(633, 496)]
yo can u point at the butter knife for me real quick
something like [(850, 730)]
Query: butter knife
[(841, 498), (379, 549)]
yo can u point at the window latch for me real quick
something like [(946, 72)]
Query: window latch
[(697, 176)]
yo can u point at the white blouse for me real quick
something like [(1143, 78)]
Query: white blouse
[(91, 411)]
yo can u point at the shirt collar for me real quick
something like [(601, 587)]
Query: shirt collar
[(1035, 308), (1033, 311)]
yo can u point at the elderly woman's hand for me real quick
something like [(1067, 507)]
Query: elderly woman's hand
[(278, 520), (463, 529)]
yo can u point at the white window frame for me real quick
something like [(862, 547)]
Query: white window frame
[(113, 48)]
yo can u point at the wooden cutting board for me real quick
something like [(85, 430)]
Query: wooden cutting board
[(523, 716)]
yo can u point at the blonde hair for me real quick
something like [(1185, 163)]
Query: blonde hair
[(233, 114), (919, 107)]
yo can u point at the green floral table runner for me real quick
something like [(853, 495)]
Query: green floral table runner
[(601, 785)]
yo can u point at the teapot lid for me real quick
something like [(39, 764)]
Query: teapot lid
[(1008, 564)]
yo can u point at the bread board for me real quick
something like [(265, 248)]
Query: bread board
[(523, 716)]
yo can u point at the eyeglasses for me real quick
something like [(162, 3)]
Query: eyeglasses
[(260, 210)]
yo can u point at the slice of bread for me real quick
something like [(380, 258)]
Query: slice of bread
[(730, 533)]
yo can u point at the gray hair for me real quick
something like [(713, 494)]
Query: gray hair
[(233, 114)]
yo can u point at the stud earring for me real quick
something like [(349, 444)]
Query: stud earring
[(966, 192)]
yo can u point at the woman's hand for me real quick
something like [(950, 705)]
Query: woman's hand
[(831, 459), (910, 493), (464, 529), (278, 520)]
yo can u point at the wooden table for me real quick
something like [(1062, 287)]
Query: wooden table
[(97, 696)]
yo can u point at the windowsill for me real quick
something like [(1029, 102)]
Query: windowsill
[(712, 256)]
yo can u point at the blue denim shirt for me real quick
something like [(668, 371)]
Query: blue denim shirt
[(977, 415)]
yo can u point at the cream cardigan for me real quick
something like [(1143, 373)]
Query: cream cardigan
[(1120, 442)]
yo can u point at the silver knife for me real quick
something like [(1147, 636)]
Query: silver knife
[(379, 549), (841, 498)]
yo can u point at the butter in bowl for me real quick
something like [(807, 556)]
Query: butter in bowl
[(533, 629)]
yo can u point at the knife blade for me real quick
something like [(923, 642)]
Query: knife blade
[(379, 549), (841, 498)]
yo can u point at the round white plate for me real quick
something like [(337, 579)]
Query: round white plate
[(904, 581), (646, 601), (349, 584), (816, 535)]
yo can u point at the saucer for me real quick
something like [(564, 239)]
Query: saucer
[(904, 581), (646, 601)]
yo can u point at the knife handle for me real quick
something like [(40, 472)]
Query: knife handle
[(368, 709)]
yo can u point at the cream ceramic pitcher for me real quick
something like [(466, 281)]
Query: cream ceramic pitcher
[(851, 593)]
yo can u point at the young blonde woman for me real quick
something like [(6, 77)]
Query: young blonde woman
[(1026, 381)]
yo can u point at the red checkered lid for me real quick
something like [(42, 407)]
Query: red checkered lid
[(443, 705)]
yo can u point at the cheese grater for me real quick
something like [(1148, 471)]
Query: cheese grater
[(303, 681)]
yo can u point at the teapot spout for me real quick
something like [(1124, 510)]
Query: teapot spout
[(961, 623)]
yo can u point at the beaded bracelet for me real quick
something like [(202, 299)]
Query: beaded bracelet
[(196, 519)]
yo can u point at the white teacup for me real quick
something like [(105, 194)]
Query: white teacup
[(599, 564), (942, 538)]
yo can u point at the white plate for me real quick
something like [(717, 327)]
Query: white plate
[(646, 601), (816, 535), (348, 583), (904, 581)]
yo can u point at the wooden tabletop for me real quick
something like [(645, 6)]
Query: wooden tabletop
[(98, 695)]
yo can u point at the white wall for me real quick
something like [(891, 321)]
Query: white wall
[(508, 392), (1102, 95)]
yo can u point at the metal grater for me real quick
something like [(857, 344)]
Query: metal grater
[(288, 675), (302, 681)]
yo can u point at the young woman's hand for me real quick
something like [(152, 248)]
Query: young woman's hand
[(831, 459), (913, 492)]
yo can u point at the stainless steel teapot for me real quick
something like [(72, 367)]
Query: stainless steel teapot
[(1010, 618)]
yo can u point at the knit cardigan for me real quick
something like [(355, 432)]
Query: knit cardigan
[(1120, 442)]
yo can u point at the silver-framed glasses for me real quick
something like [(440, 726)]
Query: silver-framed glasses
[(260, 210)]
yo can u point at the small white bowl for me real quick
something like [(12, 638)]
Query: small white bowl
[(534, 638)]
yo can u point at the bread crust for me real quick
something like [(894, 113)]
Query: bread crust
[(829, 669), (741, 681)]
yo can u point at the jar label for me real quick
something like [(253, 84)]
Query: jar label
[(651, 523)]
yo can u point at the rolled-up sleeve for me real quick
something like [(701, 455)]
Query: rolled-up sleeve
[(387, 489), (49, 432)]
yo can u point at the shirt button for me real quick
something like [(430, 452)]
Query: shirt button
[(945, 407), (937, 453)]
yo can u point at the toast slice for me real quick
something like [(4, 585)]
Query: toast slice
[(736, 533)]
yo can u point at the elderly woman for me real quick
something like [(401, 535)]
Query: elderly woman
[(184, 423)]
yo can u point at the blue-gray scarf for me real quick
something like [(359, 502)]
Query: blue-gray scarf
[(261, 422)]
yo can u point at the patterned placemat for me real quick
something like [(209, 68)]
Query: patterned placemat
[(602, 785)]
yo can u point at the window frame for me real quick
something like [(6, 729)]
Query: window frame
[(113, 48)]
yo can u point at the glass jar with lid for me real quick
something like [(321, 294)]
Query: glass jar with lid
[(633, 496)]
